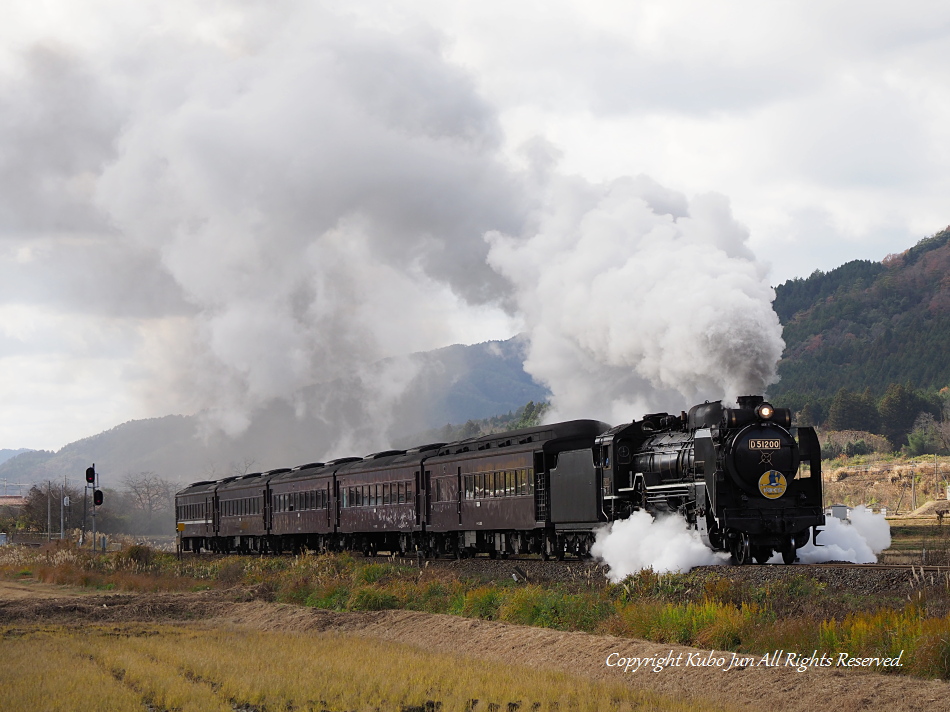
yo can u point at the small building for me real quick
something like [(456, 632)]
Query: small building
[(841, 511)]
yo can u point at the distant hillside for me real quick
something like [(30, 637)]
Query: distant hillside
[(6, 453), (453, 385), (866, 325)]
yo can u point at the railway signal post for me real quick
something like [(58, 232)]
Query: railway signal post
[(91, 482)]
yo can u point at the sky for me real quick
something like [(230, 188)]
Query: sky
[(209, 206)]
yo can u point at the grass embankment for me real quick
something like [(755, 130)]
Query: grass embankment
[(204, 670), (702, 609)]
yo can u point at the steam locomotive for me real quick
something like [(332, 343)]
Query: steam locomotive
[(743, 477)]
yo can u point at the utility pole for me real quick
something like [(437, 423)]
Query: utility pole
[(62, 507), (49, 510)]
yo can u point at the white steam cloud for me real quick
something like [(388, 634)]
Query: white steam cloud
[(665, 545), (858, 539), (637, 299), (641, 542)]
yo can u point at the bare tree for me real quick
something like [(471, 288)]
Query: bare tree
[(149, 493), (244, 467)]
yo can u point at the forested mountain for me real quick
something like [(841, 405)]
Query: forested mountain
[(863, 329)]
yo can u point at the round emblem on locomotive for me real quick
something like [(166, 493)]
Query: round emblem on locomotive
[(772, 484)]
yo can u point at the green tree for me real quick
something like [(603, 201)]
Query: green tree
[(532, 414), (853, 411), (899, 409)]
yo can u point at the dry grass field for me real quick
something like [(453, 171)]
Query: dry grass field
[(134, 666)]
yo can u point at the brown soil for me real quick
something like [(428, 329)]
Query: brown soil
[(750, 688)]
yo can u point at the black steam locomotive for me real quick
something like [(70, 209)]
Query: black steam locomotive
[(747, 480)]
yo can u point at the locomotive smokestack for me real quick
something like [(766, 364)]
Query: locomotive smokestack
[(749, 402)]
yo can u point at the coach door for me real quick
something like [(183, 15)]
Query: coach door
[(336, 504), (458, 494), (215, 519), (428, 497), (423, 500), (265, 509)]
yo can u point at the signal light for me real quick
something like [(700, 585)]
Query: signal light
[(97, 498), (91, 475)]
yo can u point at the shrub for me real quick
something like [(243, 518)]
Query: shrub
[(482, 602), (331, 598), (372, 599), (231, 573)]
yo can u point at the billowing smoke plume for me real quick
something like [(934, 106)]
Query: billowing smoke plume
[(283, 194), (637, 299), (243, 201)]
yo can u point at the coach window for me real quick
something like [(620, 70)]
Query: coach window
[(409, 493), (385, 494)]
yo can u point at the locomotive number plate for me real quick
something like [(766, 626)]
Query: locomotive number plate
[(765, 444)]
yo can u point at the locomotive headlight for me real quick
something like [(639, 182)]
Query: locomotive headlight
[(765, 411)]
